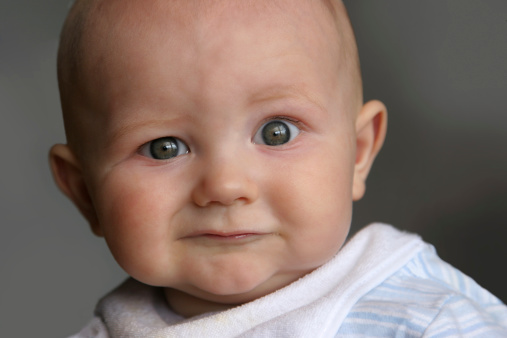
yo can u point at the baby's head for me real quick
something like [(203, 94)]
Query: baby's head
[(217, 146)]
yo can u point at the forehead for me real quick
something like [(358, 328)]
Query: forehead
[(126, 35), (112, 22)]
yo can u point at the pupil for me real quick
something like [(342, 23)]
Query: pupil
[(275, 133), (164, 148)]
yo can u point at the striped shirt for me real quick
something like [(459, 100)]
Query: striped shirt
[(429, 298)]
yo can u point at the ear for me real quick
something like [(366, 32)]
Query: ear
[(68, 176), (371, 125)]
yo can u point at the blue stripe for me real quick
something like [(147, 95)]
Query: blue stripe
[(387, 320)]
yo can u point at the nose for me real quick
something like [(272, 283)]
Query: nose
[(225, 181)]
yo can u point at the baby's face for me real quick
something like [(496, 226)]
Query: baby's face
[(223, 149)]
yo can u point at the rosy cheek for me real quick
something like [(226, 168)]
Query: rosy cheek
[(125, 209), (314, 199)]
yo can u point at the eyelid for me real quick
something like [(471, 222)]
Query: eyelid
[(282, 118)]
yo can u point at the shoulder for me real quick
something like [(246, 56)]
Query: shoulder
[(428, 297)]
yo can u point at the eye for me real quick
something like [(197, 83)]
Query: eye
[(275, 133), (164, 148)]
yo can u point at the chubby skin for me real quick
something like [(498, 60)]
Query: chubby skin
[(231, 219)]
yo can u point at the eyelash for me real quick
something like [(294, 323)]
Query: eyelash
[(172, 146), (293, 127)]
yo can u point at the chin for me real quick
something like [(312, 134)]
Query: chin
[(237, 287), (243, 290), (229, 290)]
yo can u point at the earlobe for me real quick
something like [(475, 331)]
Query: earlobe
[(371, 126), (69, 178)]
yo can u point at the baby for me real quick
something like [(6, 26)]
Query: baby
[(218, 146)]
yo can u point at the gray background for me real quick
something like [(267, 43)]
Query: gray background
[(440, 67)]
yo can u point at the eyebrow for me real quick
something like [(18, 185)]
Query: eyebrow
[(288, 91), (127, 128)]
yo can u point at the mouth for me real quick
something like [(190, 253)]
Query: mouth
[(218, 237)]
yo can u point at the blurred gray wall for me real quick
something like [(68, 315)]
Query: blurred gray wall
[(440, 67)]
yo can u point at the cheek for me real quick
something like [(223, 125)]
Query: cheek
[(135, 212), (320, 186), (315, 204)]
